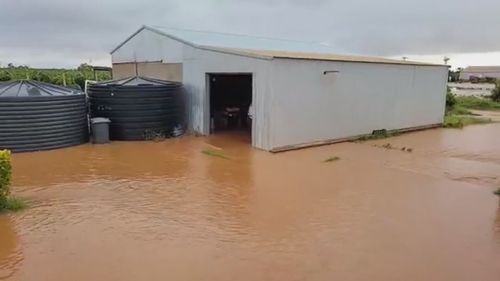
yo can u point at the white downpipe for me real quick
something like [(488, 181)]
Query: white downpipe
[(87, 82)]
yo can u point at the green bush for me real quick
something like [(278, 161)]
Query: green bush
[(5, 174), (495, 94), (41, 76), (7, 202), (5, 76), (450, 99)]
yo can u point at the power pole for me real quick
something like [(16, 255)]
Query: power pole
[(446, 60)]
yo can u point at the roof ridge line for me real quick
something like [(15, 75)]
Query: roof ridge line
[(238, 34)]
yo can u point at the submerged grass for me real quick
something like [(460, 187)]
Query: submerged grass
[(460, 121), (214, 153), (380, 134), (497, 192), (459, 110), (331, 159), (13, 204), (458, 114)]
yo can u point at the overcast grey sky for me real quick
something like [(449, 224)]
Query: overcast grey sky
[(64, 33)]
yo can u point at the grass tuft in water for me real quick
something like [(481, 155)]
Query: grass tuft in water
[(331, 159), (14, 204), (497, 192), (380, 134), (213, 153), (458, 122), (459, 110)]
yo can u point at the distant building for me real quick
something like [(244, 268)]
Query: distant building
[(480, 72)]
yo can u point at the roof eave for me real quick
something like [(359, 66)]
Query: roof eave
[(366, 61)]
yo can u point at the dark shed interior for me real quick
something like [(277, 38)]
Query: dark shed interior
[(230, 100)]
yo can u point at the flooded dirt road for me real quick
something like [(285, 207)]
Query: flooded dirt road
[(167, 211)]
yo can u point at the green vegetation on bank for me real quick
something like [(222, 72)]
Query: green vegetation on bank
[(478, 103), (7, 202), (69, 77), (460, 121), (458, 114)]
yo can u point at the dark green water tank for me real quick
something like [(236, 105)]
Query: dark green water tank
[(41, 116)]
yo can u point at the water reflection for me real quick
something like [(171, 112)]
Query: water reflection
[(168, 211), (118, 161), (497, 222), (10, 252)]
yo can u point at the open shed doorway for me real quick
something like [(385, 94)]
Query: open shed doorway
[(231, 103)]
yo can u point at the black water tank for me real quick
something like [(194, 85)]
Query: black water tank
[(40, 116), (139, 108)]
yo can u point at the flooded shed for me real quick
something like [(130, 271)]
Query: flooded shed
[(41, 116), (294, 93), (139, 108)]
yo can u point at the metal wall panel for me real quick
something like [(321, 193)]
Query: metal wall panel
[(351, 99)]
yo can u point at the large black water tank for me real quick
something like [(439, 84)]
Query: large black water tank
[(139, 108), (40, 116)]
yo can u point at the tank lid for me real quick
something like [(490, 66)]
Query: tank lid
[(137, 81), (29, 88)]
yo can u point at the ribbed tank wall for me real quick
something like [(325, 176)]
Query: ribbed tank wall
[(41, 123), (138, 112)]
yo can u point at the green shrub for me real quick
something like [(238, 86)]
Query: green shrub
[(450, 99), (6, 201), (41, 76), (495, 93), (5, 174), (15, 204), (5, 76)]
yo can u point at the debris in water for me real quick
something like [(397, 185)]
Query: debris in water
[(390, 146), (332, 159), (214, 154)]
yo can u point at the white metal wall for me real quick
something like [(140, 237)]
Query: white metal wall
[(148, 46), (198, 63), (309, 106)]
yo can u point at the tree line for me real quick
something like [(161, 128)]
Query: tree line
[(64, 77)]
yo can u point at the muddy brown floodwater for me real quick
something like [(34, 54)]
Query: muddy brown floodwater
[(167, 211)]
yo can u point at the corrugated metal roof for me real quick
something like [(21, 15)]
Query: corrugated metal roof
[(319, 56), (230, 41), (482, 69), (262, 47)]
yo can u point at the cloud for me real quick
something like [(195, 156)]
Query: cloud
[(62, 33)]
